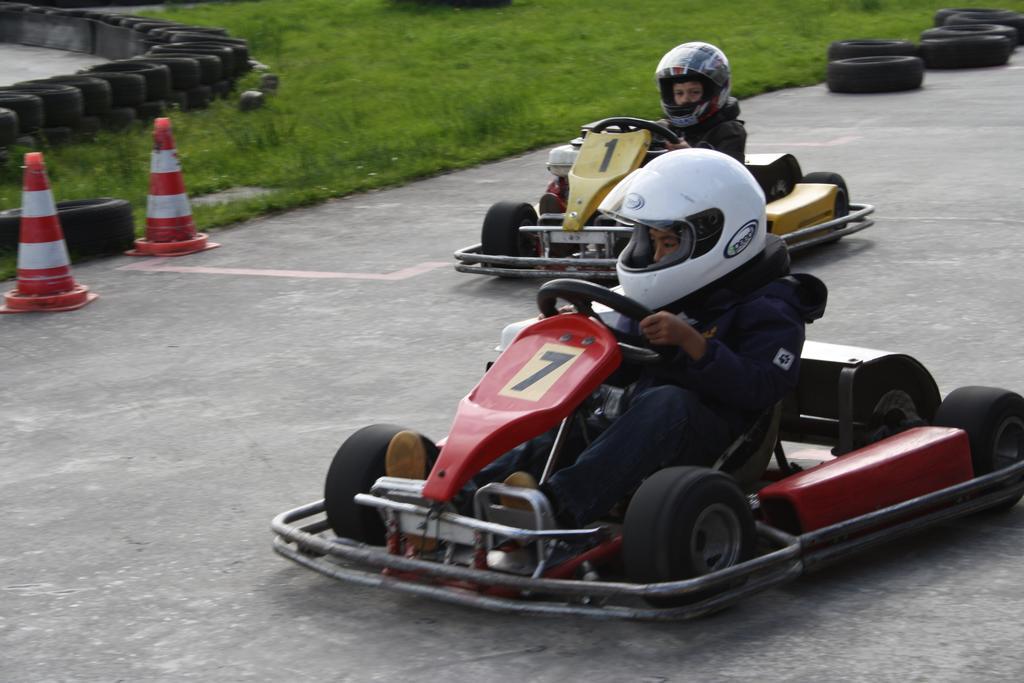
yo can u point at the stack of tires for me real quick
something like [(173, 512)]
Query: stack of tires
[(962, 38), (971, 38), (873, 65), (90, 226), (51, 111)]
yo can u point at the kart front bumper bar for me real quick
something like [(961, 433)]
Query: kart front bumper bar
[(472, 260), (311, 546)]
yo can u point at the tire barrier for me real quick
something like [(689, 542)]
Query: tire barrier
[(8, 127), (44, 281), (155, 64), (885, 73)]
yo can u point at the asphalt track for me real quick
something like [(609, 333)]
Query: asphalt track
[(150, 437)]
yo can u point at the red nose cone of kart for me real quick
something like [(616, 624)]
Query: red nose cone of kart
[(543, 375)]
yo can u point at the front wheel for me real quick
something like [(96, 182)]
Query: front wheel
[(500, 235), (358, 463), (685, 522), (994, 422)]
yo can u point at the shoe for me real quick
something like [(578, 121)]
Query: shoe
[(523, 480), (406, 456)]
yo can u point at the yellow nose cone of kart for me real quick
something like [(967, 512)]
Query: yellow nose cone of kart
[(604, 160)]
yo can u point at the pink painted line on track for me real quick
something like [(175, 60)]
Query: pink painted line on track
[(159, 265), (835, 142)]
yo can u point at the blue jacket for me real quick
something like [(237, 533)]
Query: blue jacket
[(754, 342)]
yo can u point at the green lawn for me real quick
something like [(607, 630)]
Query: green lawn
[(378, 92)]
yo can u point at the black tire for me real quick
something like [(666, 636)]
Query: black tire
[(966, 52), (211, 69), (62, 104), (500, 235), (178, 99), (8, 127), (888, 73), (118, 119), (239, 53), (199, 97), (88, 127), (28, 107), (869, 47), (91, 226), (126, 89), (222, 88), (994, 422), (147, 111), (51, 136), (1013, 19), (222, 52), (158, 76), (958, 30), (185, 71), (96, 96), (357, 464), (685, 522), (942, 16)]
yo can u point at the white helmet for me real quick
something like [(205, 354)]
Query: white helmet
[(710, 200)]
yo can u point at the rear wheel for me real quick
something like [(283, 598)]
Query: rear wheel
[(501, 236), (685, 522), (358, 463), (994, 422)]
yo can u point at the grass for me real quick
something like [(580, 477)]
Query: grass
[(378, 92)]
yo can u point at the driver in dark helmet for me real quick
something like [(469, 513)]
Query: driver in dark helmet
[(723, 299), (694, 82)]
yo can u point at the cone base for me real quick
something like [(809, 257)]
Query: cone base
[(75, 298), (144, 247)]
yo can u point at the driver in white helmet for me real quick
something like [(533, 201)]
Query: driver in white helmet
[(725, 306), (694, 82)]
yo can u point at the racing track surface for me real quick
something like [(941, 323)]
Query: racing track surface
[(149, 438)]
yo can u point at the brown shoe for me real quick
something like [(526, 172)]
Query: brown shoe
[(523, 480), (406, 456)]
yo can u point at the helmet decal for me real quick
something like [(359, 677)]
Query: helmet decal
[(741, 238), (634, 201)]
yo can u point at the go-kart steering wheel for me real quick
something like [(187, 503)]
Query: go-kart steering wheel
[(628, 124), (581, 294)]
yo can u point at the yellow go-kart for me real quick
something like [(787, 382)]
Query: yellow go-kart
[(564, 234)]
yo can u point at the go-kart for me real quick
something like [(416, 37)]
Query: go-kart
[(882, 455), (565, 235)]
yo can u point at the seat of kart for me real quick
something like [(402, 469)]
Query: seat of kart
[(777, 174), (748, 457)]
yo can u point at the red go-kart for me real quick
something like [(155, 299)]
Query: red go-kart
[(882, 455)]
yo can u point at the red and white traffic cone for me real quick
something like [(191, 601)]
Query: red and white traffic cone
[(170, 230), (44, 268)]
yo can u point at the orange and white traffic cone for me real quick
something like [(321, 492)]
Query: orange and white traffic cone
[(170, 230), (44, 268)]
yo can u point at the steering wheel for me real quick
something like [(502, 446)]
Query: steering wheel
[(582, 293), (628, 124)]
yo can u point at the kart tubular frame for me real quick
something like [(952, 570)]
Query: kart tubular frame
[(312, 546), (471, 260)]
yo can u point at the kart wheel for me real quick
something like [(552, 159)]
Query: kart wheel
[(358, 463), (994, 422), (842, 205), (685, 522), (500, 235)]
